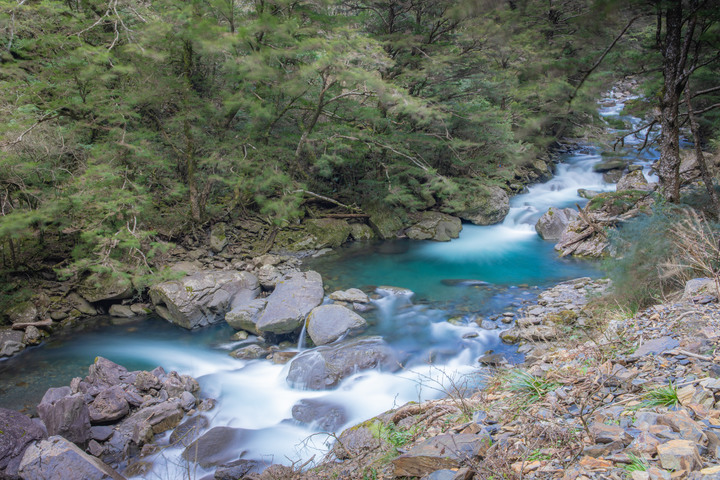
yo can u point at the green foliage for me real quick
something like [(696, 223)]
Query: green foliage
[(661, 397), (637, 464), (391, 433), (530, 388)]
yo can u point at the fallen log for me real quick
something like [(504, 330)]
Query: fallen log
[(41, 324)]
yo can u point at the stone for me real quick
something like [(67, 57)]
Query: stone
[(587, 194), (324, 367), (121, 311), (288, 305), (56, 458), (609, 433), (322, 415), (656, 346), (699, 286), (23, 312), (554, 222), (444, 451), (18, 433), (531, 333), (218, 237), (80, 304), (609, 165), (109, 406), (327, 232), (104, 372), (245, 317), (250, 352), (386, 290), (328, 323), (436, 226), (352, 295), (11, 342), (269, 276), (100, 287), (203, 298), (65, 414), (679, 455), (237, 469), (385, 221), (356, 440), (479, 204), (634, 180), (493, 360), (101, 433), (144, 381), (185, 433), (680, 422), (216, 446), (361, 232), (644, 444), (32, 336)]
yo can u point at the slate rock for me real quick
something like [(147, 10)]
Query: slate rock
[(324, 416), (291, 301), (327, 323), (679, 455), (189, 430), (57, 458), (18, 432), (656, 346), (217, 446), (65, 414), (443, 451), (110, 405)]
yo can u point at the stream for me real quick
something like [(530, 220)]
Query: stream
[(507, 263)]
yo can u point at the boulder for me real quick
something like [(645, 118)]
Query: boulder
[(356, 440), (11, 342), (324, 367), (700, 287), (445, 451), (217, 446), (609, 165), (328, 232), (18, 432), (203, 298), (32, 336), (361, 232), (56, 458), (109, 405), (327, 323), (218, 237), (238, 469), (293, 298), (436, 226), (187, 268), (352, 295), (679, 455), (245, 317), (104, 372), (65, 414), (479, 204), (104, 286), (121, 311), (325, 416), (269, 276), (386, 222), (23, 312), (189, 430), (81, 305), (554, 222), (574, 241), (588, 194), (251, 352), (634, 180)]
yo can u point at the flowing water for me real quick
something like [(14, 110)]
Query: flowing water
[(487, 271)]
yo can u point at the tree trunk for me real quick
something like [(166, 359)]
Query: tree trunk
[(702, 165), (669, 164)]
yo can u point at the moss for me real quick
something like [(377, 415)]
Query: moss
[(616, 202)]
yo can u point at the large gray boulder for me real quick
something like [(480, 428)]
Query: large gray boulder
[(327, 323), (245, 317), (57, 459), (110, 405), (18, 432), (293, 298), (11, 342), (217, 446), (23, 312), (65, 414), (105, 286), (553, 222), (479, 204), (324, 367), (324, 415), (436, 226), (203, 298), (351, 295), (634, 180)]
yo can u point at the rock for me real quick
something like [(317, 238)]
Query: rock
[(679, 455), (99, 287), (385, 222), (633, 181), (56, 458), (612, 176), (531, 333), (18, 432), (361, 232), (698, 287), (656, 346), (245, 317), (493, 360), (218, 237), (356, 440), (121, 311), (269, 276), (434, 226), (322, 415), (574, 242), (386, 290), (203, 298), (32, 336), (610, 165), (65, 414), (327, 323), (479, 204), (352, 295), (110, 405), (328, 232), (144, 381), (463, 282), (251, 352), (609, 433), (324, 367), (81, 305), (293, 298), (588, 194), (238, 469), (104, 372), (186, 267), (23, 312), (217, 446), (11, 342), (101, 433), (687, 428), (554, 222), (185, 433), (444, 451)]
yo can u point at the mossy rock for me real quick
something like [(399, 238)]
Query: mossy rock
[(361, 232), (386, 222), (564, 317), (477, 203), (617, 203), (105, 286), (609, 165), (329, 232)]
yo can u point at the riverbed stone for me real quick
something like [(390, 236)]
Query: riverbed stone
[(293, 298), (361, 232), (218, 237), (436, 226), (98, 287), (121, 311), (18, 432), (11, 342), (110, 405), (679, 455), (203, 298), (352, 295), (216, 446), (245, 317), (634, 180), (327, 323), (385, 221), (323, 415), (80, 304), (328, 232), (185, 433), (325, 367), (609, 165), (23, 312), (553, 222), (443, 451), (479, 204), (56, 458), (250, 352), (65, 414)]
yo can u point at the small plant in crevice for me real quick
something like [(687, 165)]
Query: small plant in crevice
[(666, 396), (637, 464), (529, 387)]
